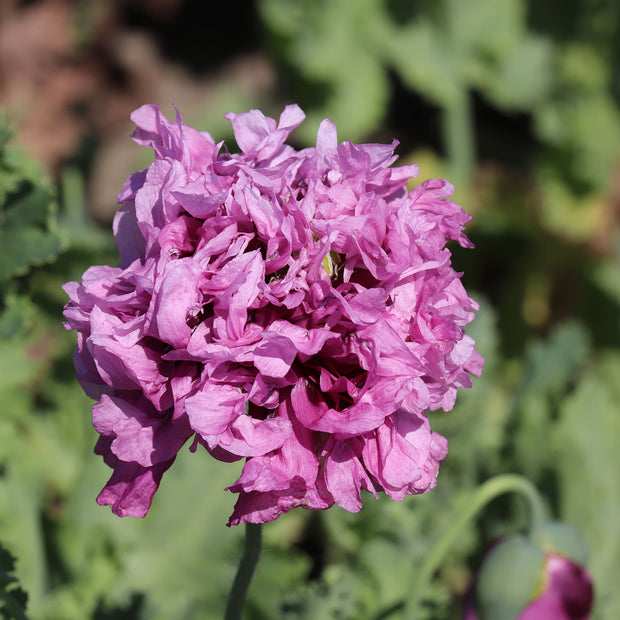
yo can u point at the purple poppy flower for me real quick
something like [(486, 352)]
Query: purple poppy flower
[(293, 308)]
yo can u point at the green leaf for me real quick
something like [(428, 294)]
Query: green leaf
[(336, 46), (550, 367), (26, 247), (23, 534), (524, 77), (19, 312), (585, 449), (426, 62), (551, 364), (279, 572), (336, 596), (490, 29), (581, 119), (29, 207), (390, 570), (17, 366), (12, 597), (27, 234)]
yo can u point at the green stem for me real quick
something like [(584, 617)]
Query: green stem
[(488, 491), (249, 559), (457, 116), (459, 138)]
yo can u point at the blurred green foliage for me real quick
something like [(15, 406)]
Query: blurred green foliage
[(28, 236), (340, 55), (546, 269), (12, 597)]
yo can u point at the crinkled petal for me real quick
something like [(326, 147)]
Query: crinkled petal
[(345, 476), (130, 489), (177, 294), (137, 436)]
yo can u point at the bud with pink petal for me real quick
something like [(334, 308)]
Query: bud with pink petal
[(525, 580)]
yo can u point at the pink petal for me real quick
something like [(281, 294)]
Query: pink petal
[(138, 437), (129, 491), (274, 356), (312, 411), (176, 296), (345, 476), (247, 436), (213, 410)]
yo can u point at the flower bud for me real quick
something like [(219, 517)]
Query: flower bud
[(525, 580)]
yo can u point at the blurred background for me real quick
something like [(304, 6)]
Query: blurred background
[(516, 102)]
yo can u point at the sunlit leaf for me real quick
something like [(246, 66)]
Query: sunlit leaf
[(588, 465)]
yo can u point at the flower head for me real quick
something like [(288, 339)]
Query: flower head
[(294, 308)]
